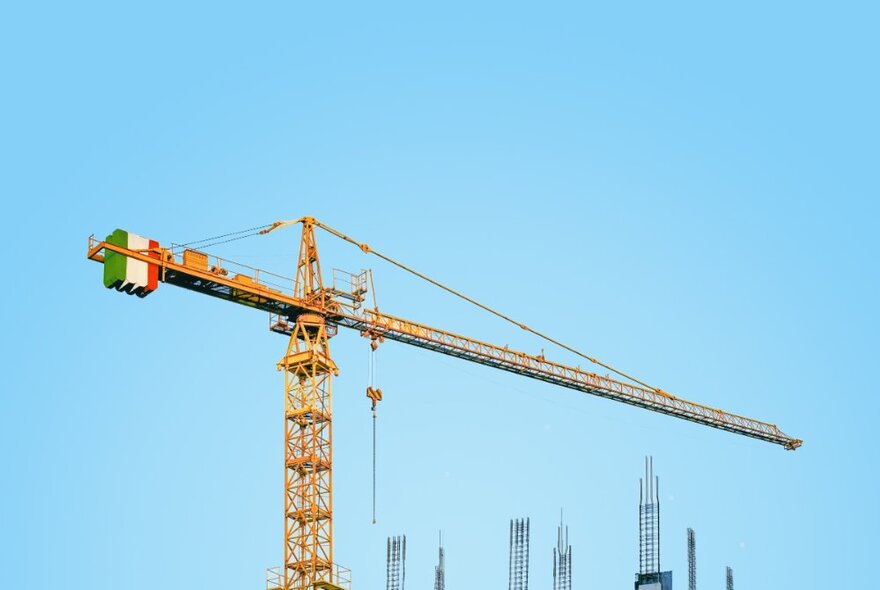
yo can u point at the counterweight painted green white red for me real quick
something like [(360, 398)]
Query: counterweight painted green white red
[(128, 275)]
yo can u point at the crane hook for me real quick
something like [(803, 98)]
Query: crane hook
[(375, 395)]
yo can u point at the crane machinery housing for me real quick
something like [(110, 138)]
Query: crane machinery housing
[(309, 312)]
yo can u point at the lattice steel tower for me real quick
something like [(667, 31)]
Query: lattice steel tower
[(308, 484), (692, 560), (519, 555), (396, 564), (562, 560), (729, 578)]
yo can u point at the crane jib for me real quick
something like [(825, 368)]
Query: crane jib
[(565, 376), (194, 273)]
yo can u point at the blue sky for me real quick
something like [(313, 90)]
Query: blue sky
[(686, 191)]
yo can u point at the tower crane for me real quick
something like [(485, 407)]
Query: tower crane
[(308, 311)]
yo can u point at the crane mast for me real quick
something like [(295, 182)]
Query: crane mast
[(308, 435), (309, 317)]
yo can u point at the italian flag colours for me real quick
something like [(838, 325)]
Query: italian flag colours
[(126, 274)]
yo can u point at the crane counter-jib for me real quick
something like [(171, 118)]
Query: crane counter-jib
[(192, 270)]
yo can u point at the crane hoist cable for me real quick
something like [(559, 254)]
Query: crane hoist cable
[(368, 250), (375, 396)]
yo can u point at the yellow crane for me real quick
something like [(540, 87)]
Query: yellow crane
[(309, 312)]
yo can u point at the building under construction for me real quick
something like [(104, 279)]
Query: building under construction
[(396, 564), (650, 577), (692, 560), (518, 572), (562, 560), (440, 568)]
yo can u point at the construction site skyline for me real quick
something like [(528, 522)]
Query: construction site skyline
[(684, 192), (521, 572)]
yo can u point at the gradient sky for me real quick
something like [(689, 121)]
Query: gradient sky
[(685, 191)]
